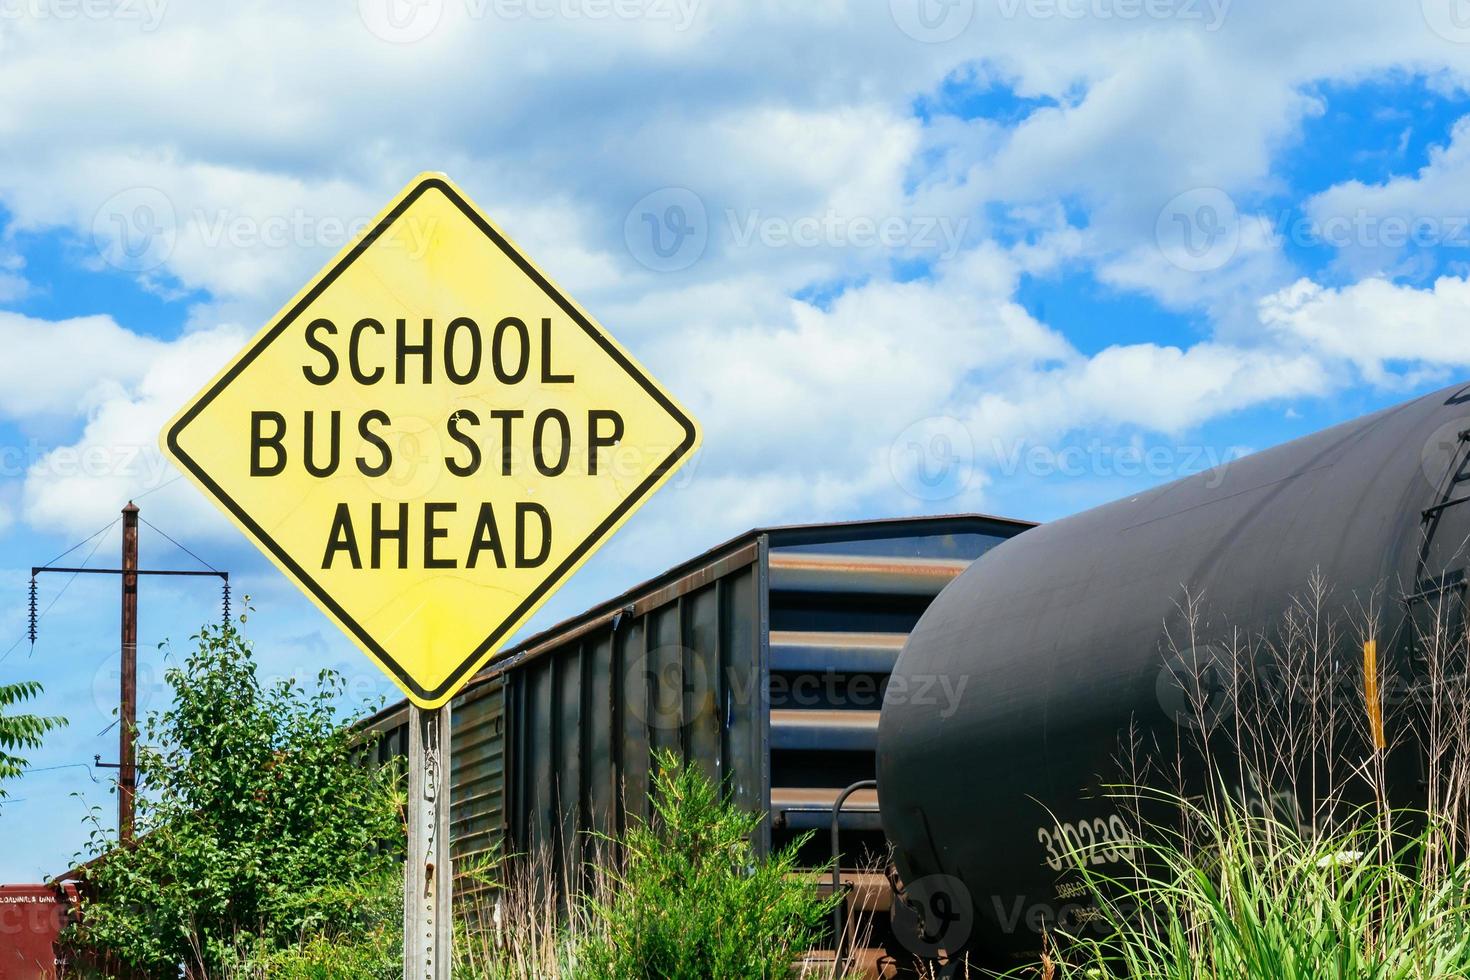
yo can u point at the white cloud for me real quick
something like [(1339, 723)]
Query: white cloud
[(77, 487), (1377, 327), (63, 367)]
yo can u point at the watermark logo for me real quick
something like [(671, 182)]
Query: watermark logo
[(147, 14), (933, 914), (107, 687), (401, 21), (411, 21), (1445, 451), (1194, 687), (933, 459), (932, 21), (135, 230), (1210, 14), (1128, 461), (677, 688), (940, 235), (138, 229), (1198, 230), (670, 229), (667, 230), (1450, 19)]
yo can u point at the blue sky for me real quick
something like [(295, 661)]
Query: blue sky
[(1053, 251)]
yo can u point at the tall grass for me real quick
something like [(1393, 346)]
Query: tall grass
[(1274, 839), (1252, 897)]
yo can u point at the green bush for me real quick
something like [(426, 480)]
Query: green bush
[(255, 825), (692, 899), (365, 944)]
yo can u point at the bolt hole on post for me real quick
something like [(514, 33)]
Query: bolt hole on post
[(516, 444)]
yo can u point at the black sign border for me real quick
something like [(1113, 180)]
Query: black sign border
[(453, 681)]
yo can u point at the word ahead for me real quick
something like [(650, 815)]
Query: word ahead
[(430, 438)]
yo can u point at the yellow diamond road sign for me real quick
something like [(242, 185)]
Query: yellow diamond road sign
[(430, 438)]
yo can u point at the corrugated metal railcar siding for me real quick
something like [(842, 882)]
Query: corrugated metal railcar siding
[(675, 676), (477, 778), (632, 645), (741, 728), (700, 618)]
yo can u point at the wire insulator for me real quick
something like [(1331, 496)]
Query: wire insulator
[(32, 628), (225, 602)]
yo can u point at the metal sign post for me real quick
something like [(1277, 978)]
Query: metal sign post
[(428, 926)]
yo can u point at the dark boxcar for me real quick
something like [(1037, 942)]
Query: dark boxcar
[(765, 661)]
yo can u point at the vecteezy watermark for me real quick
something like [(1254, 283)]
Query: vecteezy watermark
[(410, 21), (138, 229), (670, 687), (401, 21), (141, 464), (1198, 230), (1364, 229), (1210, 14), (1450, 19), (933, 914), (32, 915), (1201, 230), (670, 229), (667, 230), (940, 234), (933, 459), (1017, 913), (860, 691), (147, 14), (1109, 460), (1446, 454), (1194, 687), (932, 21)]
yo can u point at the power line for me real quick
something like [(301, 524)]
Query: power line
[(69, 765), (177, 545), (89, 537), (167, 483)]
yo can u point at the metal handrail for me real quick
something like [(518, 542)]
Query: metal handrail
[(839, 912)]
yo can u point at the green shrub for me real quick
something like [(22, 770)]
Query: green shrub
[(255, 825), (365, 944), (692, 899)]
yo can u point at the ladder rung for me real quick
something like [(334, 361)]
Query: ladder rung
[(1440, 508), (1431, 588)]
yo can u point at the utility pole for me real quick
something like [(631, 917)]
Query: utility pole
[(127, 712)]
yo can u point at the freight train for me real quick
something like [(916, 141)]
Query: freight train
[(1007, 665)]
